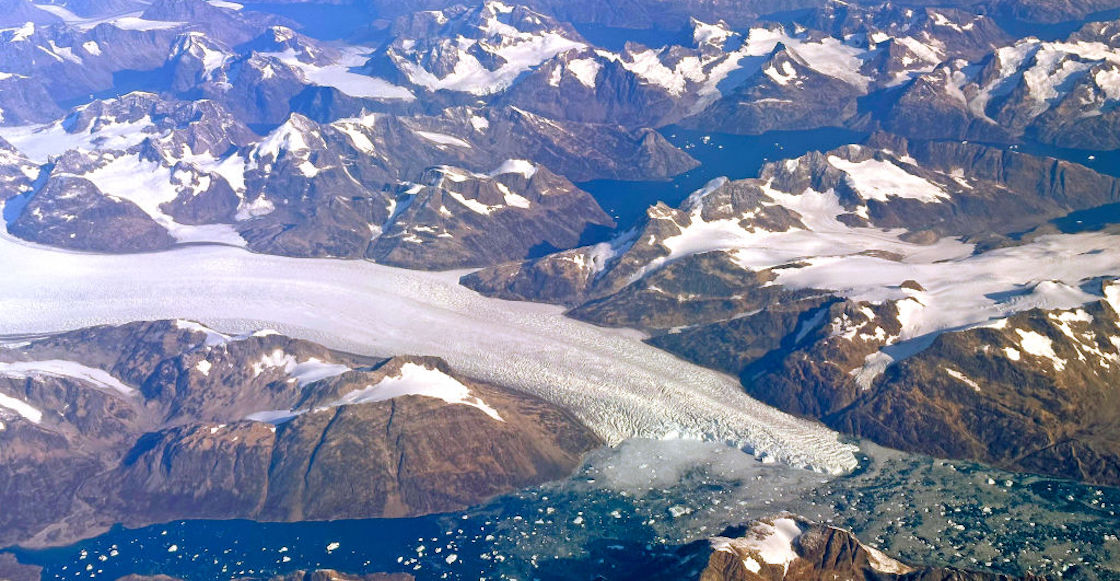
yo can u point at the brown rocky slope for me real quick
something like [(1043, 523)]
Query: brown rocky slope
[(150, 422)]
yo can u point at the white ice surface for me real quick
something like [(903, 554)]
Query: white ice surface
[(526, 168), (39, 142), (22, 408), (148, 185), (519, 52), (63, 368), (124, 20), (776, 547), (442, 138), (137, 23), (341, 76), (225, 4), (770, 542), (303, 372), (411, 379), (414, 379), (619, 386), (882, 180), (962, 289), (969, 290)]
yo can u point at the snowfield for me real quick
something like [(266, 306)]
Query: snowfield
[(621, 387)]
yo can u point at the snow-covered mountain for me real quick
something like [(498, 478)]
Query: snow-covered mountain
[(310, 189), (476, 51), (827, 271), (1063, 93)]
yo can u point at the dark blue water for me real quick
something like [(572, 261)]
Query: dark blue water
[(324, 21), (1089, 220), (615, 39), (1106, 162), (732, 156), (227, 549), (634, 512), (1051, 31), (125, 82)]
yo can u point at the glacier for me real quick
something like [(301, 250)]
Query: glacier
[(612, 381)]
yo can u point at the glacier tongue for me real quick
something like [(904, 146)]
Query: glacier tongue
[(621, 387)]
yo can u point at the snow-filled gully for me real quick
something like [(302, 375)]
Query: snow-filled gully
[(621, 387)]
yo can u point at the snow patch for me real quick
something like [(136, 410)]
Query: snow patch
[(137, 23), (586, 71), (22, 408), (204, 367), (881, 180), (518, 53), (526, 168), (767, 542), (341, 75), (963, 379), (442, 138), (411, 379), (305, 372), (67, 369), (1040, 346), (415, 379)]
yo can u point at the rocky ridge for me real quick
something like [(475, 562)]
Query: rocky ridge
[(728, 281), (790, 548), (149, 422)]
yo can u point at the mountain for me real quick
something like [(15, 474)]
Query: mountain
[(17, 173), (1062, 93), (1032, 392), (789, 548), (477, 51), (311, 189), (149, 422), (454, 218), (925, 192), (14, 571), (823, 70), (941, 278), (762, 278)]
